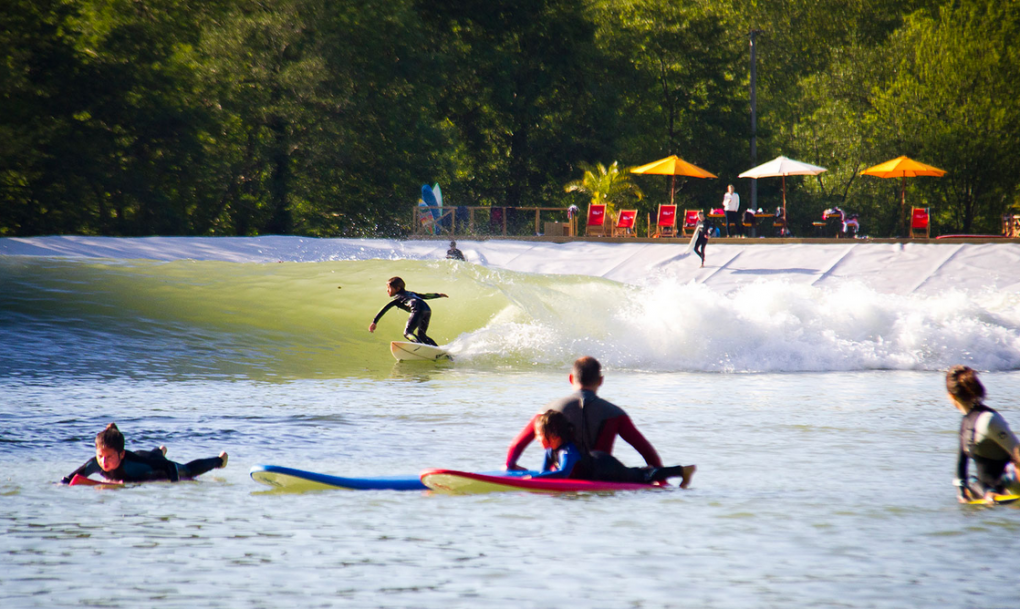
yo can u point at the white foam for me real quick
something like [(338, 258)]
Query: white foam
[(924, 268)]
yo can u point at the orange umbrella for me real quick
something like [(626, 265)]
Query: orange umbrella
[(673, 166), (903, 167)]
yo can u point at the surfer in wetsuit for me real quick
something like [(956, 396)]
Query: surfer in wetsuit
[(418, 323), (564, 460), (702, 240), (985, 438), (596, 421), (453, 253), (119, 465)]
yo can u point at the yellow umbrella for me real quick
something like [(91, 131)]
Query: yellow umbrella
[(903, 167), (673, 166)]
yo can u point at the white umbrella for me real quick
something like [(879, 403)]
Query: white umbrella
[(782, 167)]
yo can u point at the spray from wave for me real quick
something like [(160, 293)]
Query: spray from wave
[(767, 326)]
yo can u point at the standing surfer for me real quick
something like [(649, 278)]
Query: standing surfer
[(985, 438), (418, 323), (702, 241)]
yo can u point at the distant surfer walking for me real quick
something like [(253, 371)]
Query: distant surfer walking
[(702, 241), (418, 323), (596, 422), (985, 438), (119, 465)]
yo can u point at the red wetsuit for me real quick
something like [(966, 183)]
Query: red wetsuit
[(596, 423)]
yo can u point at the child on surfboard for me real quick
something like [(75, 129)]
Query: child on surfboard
[(418, 323), (119, 465), (564, 460)]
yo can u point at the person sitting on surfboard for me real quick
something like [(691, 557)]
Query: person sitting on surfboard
[(418, 323), (597, 421), (564, 460), (985, 438), (119, 465)]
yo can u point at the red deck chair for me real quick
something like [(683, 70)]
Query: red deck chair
[(625, 223), (690, 222), (665, 223), (919, 223), (596, 220)]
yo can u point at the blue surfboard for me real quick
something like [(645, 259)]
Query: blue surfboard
[(429, 197), (297, 480)]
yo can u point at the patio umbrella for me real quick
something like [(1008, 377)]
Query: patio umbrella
[(673, 166), (782, 167), (903, 167)]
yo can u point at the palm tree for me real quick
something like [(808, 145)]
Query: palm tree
[(607, 185)]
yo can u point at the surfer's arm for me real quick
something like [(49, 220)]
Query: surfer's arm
[(378, 316), (519, 444), (630, 434), (564, 466), (90, 467), (432, 296), (960, 482), (998, 430)]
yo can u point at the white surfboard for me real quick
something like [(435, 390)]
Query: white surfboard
[(405, 351), (694, 239)]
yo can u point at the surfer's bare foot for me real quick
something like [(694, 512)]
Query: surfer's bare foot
[(223, 460), (162, 449), (685, 478)]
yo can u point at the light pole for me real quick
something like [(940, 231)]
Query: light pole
[(754, 115)]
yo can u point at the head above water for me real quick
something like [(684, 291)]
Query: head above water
[(109, 447), (453, 244), (586, 373), (964, 387), (553, 429)]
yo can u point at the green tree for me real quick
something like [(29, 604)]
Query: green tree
[(607, 185)]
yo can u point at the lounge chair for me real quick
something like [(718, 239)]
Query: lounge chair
[(596, 225), (625, 223), (920, 226), (665, 223), (690, 222)]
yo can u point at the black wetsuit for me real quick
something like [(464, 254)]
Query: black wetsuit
[(986, 441), (702, 240), (418, 323), (147, 466), (454, 254)]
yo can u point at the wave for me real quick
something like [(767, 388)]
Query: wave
[(310, 320)]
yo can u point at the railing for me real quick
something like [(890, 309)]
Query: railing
[(488, 221)]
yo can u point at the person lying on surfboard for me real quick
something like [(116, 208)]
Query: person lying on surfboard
[(985, 438), (564, 460), (119, 465), (418, 323), (596, 421)]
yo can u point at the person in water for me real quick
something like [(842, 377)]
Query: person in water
[(453, 253), (596, 422), (702, 240), (417, 326), (119, 465), (985, 438), (564, 460)]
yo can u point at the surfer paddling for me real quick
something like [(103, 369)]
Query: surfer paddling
[(418, 323), (596, 422), (563, 459), (119, 465), (985, 438)]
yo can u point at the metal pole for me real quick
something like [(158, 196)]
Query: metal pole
[(754, 115)]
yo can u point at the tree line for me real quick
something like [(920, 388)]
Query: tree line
[(323, 118)]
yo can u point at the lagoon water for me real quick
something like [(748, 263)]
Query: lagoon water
[(815, 411)]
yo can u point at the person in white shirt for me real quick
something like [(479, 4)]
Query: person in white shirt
[(731, 205)]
